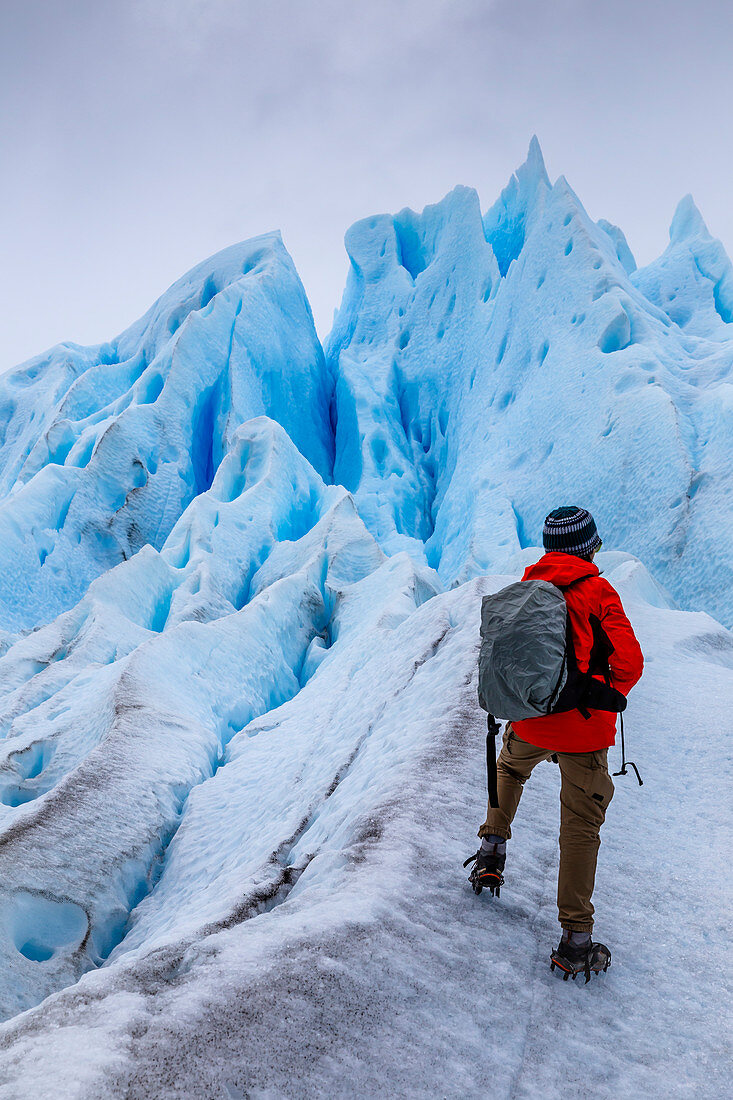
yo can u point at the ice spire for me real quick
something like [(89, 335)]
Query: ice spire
[(505, 224), (533, 169), (687, 222), (689, 232)]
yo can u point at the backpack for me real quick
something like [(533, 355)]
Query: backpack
[(527, 664)]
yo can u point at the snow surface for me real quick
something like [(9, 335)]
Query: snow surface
[(242, 756)]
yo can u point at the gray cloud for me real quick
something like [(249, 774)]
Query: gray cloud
[(141, 136)]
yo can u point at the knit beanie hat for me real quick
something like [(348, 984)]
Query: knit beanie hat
[(571, 531)]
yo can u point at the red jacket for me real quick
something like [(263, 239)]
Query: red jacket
[(570, 731)]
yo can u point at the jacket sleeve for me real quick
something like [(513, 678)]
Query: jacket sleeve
[(626, 661)]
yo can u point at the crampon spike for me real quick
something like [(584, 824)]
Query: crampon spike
[(484, 876), (572, 962)]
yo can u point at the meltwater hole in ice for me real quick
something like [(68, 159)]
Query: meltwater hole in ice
[(41, 927)]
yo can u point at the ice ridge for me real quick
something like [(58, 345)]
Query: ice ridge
[(530, 362)]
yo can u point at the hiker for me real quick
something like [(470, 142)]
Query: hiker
[(577, 739)]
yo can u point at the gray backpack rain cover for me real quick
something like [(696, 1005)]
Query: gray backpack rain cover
[(522, 665)]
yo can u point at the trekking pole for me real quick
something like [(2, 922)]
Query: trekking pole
[(624, 761), (491, 781)]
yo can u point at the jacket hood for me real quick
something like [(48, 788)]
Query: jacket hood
[(559, 568)]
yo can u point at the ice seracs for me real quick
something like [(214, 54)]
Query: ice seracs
[(467, 400), (417, 287), (104, 447), (474, 364)]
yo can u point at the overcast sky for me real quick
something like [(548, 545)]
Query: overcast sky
[(140, 136)]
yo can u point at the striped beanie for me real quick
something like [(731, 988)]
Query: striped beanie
[(571, 531)]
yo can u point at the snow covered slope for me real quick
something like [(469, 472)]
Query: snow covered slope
[(487, 368), (312, 931), (241, 756)]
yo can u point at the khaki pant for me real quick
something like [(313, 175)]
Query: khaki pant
[(586, 791)]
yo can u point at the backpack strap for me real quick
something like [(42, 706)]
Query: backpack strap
[(572, 664), (585, 693), (493, 728)]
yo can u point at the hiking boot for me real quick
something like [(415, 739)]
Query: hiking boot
[(587, 958), (487, 871)]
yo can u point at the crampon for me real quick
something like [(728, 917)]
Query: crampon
[(590, 958), (486, 872)]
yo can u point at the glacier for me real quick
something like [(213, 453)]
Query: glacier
[(241, 754)]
